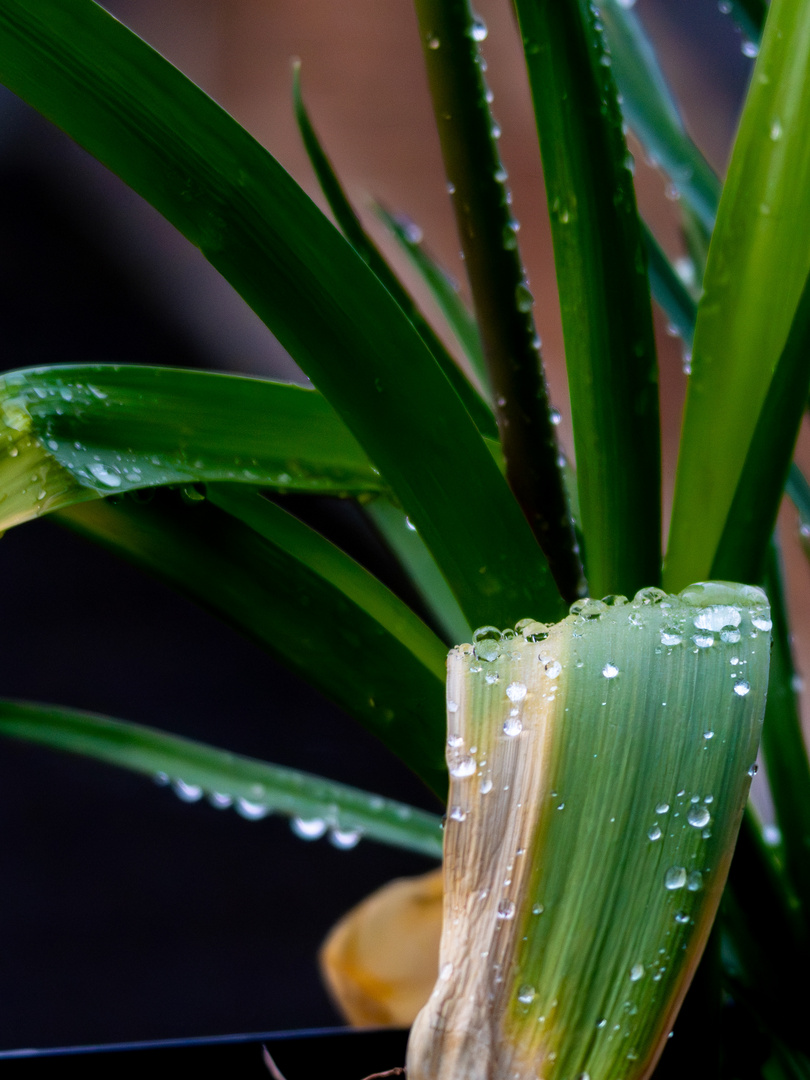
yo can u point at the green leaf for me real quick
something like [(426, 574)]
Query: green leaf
[(750, 16), (443, 290), (503, 303), (784, 747), (405, 542), (592, 828), (743, 545), (73, 433), (669, 291), (653, 114), (148, 123), (254, 788), (604, 293), (365, 247), (310, 622), (739, 335)]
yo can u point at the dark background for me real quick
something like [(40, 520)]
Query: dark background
[(125, 914)]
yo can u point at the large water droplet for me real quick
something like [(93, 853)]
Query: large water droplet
[(506, 909), (104, 475), (675, 878), (698, 816), (610, 671), (526, 994), (523, 298), (187, 792), (717, 617), (553, 669), (761, 622), (344, 839), (703, 641), (654, 832), (516, 691), (220, 800), (636, 972), (662, 808), (741, 687), (462, 768), (478, 30), (513, 726), (458, 813), (308, 829), (251, 811), (670, 637)]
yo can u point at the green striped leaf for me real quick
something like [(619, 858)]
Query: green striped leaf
[(599, 771), (254, 788)]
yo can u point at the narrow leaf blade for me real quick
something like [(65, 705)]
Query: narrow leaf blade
[(313, 627), (738, 337), (255, 788)]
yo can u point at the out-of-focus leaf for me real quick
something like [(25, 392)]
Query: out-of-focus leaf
[(313, 626), (254, 788)]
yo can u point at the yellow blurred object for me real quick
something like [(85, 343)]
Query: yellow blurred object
[(381, 960)]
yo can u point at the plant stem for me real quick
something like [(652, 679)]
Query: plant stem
[(503, 303)]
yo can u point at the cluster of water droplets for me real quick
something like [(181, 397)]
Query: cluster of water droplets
[(259, 806)]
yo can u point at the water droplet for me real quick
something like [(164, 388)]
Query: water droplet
[(516, 691), (636, 972), (538, 909), (251, 811), (650, 595), (717, 617), (761, 622), (451, 188), (670, 637), (344, 839), (220, 800), (610, 671), (553, 669), (695, 881), (457, 813), (554, 416), (487, 642), (495, 130), (492, 678), (698, 816), (161, 779), (513, 726), (741, 687), (776, 131), (662, 808), (104, 475), (654, 833), (675, 878), (526, 994), (626, 3), (708, 735), (724, 7), (464, 767), (730, 637), (433, 43), (478, 30), (703, 641), (523, 298), (749, 48), (588, 609), (454, 741), (506, 910), (308, 829), (452, 706), (486, 785), (753, 770), (187, 792)]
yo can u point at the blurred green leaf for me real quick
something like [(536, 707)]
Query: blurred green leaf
[(604, 293), (653, 114), (313, 625), (443, 290), (254, 788), (365, 247), (176, 147), (754, 253)]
